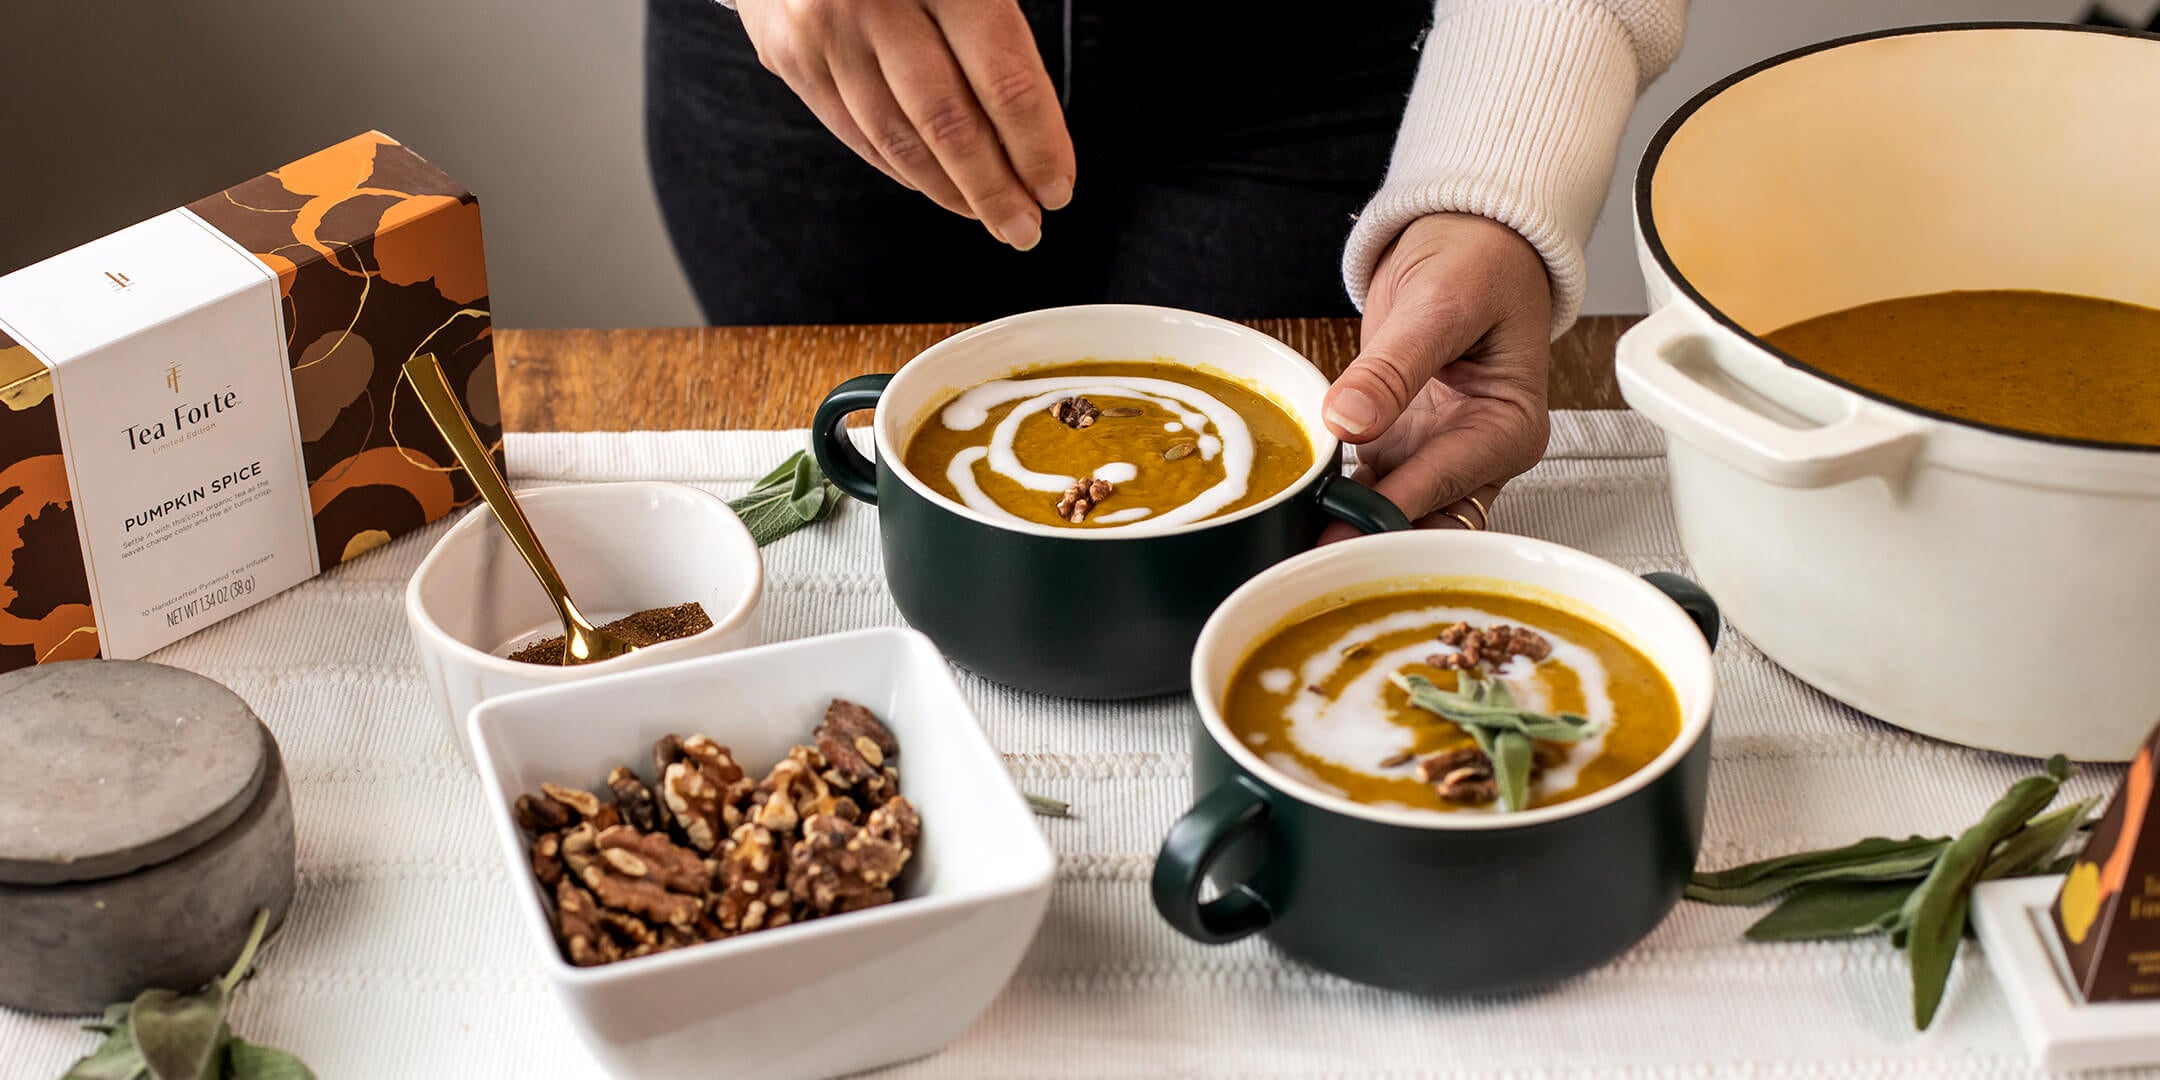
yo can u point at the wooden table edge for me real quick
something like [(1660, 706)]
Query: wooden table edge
[(772, 377)]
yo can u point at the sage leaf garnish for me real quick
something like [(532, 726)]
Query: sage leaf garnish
[(791, 496), (1486, 703), (1486, 709), (1917, 890), (1048, 807), (1511, 768), (163, 1035), (1834, 909), (1936, 912)]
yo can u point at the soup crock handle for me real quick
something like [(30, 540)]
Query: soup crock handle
[(844, 465), (1661, 365), (1234, 810), (1692, 599), (1361, 506)]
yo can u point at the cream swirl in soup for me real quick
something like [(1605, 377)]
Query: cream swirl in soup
[(1143, 446), (1320, 698)]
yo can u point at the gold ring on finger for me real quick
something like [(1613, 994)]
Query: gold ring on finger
[(1465, 521), (1483, 514)]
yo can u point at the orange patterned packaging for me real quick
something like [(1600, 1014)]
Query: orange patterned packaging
[(202, 410), (2107, 916)]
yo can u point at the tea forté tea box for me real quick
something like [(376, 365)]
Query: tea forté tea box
[(2107, 916), (204, 409)]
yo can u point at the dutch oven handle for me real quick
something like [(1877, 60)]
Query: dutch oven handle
[(1666, 364), (844, 465)]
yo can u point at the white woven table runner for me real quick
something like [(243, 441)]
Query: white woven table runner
[(402, 957)]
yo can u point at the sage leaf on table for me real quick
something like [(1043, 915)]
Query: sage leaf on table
[(1045, 806), (786, 499), (1834, 909), (1487, 709), (1935, 914), (2037, 847), (1917, 890), (163, 1035), (178, 1035), (1873, 859), (253, 1061)]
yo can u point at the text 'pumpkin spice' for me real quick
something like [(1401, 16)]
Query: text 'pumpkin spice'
[(202, 410)]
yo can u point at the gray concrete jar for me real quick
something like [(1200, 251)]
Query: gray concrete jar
[(145, 818)]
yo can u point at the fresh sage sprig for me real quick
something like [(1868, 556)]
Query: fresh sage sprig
[(1935, 914), (163, 1035), (1917, 890), (1486, 709), (1873, 859), (786, 499)]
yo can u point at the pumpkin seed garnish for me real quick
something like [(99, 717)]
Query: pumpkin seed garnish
[(1179, 452), (1120, 412)]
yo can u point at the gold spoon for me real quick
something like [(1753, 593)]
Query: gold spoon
[(583, 643)]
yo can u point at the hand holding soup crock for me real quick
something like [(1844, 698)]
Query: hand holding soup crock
[(1445, 762), (1063, 496)]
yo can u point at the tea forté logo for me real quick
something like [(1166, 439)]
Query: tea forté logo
[(184, 418), (118, 282)]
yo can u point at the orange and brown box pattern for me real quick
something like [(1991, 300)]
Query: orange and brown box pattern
[(379, 259), (44, 592), (2108, 913)]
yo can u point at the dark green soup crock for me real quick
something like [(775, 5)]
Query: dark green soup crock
[(1072, 613), (1439, 911), (1075, 618)]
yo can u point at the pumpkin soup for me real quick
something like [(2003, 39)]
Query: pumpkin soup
[(1356, 700), (1109, 445), (2047, 363)]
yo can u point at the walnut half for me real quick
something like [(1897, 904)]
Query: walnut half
[(706, 852)]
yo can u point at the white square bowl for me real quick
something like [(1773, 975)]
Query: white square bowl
[(827, 996)]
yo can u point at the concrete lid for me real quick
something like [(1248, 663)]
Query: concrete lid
[(107, 766)]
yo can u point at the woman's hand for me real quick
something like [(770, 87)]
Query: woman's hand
[(948, 97), (1446, 402)]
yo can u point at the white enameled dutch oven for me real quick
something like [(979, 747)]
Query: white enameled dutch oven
[(1985, 586)]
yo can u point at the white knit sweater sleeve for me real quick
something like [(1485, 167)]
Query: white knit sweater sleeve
[(1516, 115)]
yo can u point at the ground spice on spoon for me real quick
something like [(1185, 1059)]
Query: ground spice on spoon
[(649, 627)]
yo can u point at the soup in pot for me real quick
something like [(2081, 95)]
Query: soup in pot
[(1109, 445), (1333, 699), (2046, 363)]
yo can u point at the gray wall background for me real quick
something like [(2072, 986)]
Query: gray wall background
[(114, 110)]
